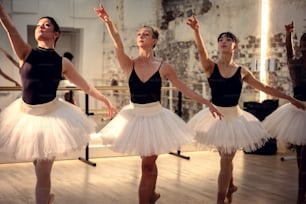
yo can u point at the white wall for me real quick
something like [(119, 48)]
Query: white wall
[(96, 58)]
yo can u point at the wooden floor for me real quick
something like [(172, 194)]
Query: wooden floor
[(261, 180)]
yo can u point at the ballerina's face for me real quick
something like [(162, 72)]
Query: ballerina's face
[(146, 37), (226, 42), (45, 30)]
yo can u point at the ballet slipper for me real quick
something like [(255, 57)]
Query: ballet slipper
[(229, 195), (51, 198), (154, 198)]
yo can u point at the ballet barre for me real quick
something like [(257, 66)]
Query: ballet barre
[(86, 159), (111, 88), (179, 113)]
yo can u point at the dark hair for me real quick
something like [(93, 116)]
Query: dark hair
[(68, 55), (229, 35), (303, 37), (54, 23)]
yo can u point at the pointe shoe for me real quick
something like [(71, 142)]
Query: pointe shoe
[(154, 198), (229, 195), (51, 198)]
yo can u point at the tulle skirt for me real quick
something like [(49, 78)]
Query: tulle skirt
[(238, 129), (287, 123), (145, 130), (29, 132)]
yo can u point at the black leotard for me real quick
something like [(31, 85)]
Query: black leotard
[(225, 92), (298, 75), (40, 75), (145, 92)]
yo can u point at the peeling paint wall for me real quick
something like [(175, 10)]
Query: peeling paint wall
[(242, 17), (176, 44)]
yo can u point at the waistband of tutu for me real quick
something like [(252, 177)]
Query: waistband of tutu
[(229, 112), (40, 109), (146, 109)]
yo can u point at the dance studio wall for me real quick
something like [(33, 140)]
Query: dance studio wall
[(96, 59)]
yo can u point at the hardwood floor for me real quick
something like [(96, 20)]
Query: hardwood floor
[(261, 180)]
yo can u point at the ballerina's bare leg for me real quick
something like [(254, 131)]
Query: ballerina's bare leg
[(147, 185), (43, 184), (225, 176)]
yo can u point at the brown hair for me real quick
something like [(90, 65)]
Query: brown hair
[(155, 32)]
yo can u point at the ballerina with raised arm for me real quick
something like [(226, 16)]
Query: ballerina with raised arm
[(39, 126), (288, 123), (144, 127), (239, 129)]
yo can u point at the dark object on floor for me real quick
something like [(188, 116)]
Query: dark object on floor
[(260, 111)]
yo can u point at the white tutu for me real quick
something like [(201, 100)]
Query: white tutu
[(288, 123), (238, 129), (29, 132), (146, 129)]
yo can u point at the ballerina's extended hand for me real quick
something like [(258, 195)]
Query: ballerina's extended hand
[(101, 12)]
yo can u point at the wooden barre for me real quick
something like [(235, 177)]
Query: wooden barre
[(101, 88)]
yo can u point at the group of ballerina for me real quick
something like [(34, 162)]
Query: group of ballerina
[(39, 126)]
